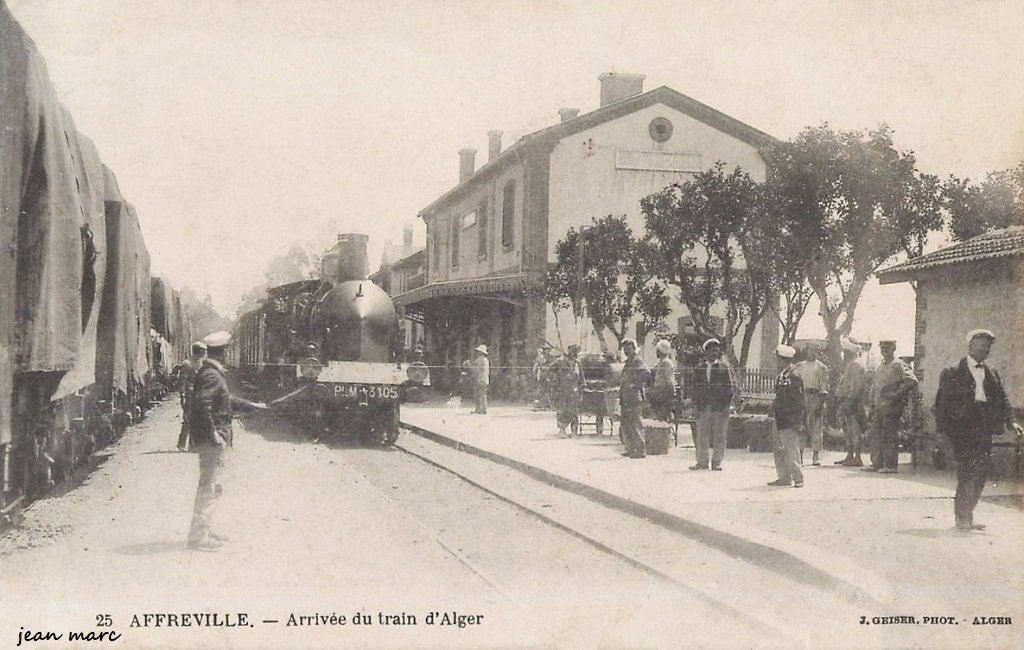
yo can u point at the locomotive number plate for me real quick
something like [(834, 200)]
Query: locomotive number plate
[(362, 392)]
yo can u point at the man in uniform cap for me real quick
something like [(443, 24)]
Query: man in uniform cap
[(970, 407), (893, 383), (712, 395), (481, 373), (186, 380), (631, 400), (789, 417), (210, 422)]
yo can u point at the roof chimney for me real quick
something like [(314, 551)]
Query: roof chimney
[(619, 85), (493, 145), (467, 163), (568, 113), (407, 236), (351, 257)]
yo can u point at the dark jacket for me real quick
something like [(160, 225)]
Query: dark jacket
[(210, 405), (789, 400), (715, 395), (957, 414), (635, 374)]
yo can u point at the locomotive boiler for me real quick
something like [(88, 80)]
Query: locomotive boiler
[(332, 346)]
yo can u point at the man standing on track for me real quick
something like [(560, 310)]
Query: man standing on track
[(210, 420), (186, 380)]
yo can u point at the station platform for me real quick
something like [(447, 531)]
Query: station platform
[(882, 538)]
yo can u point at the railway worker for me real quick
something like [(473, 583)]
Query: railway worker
[(893, 383), (789, 417), (567, 382), (970, 407), (480, 371), (635, 375), (712, 395), (663, 388), (850, 398), (210, 420), (814, 375), (186, 379)]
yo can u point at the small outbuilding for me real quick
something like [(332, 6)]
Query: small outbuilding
[(976, 283)]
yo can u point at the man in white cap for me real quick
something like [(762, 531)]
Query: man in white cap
[(789, 417), (712, 395), (210, 421), (850, 398), (481, 373), (632, 393), (186, 381), (663, 387), (970, 407), (891, 388)]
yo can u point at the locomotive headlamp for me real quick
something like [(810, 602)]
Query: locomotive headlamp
[(417, 372), (310, 368)]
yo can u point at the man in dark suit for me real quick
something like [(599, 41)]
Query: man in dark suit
[(971, 407)]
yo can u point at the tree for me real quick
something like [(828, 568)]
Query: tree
[(852, 202), (974, 209), (703, 238), (612, 283)]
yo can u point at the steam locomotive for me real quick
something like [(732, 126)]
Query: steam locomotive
[(332, 345)]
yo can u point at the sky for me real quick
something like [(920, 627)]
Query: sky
[(241, 127)]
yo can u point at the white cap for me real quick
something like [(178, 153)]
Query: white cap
[(785, 351), (849, 345), (198, 345), (625, 341), (710, 342), (973, 334), (217, 339), (663, 346), (482, 348)]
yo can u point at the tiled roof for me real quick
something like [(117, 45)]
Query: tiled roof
[(1005, 242), (551, 135)]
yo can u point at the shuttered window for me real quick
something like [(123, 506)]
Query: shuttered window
[(456, 227), (482, 229), (508, 215)]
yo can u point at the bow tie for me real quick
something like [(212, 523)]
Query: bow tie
[(979, 365)]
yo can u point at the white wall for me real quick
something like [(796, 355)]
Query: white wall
[(985, 295), (585, 182)]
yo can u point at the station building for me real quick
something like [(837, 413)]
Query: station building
[(491, 238)]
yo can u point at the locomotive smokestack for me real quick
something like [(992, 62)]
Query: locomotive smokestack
[(351, 250)]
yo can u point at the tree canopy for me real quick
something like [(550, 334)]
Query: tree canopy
[(704, 237), (852, 202), (611, 284)]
